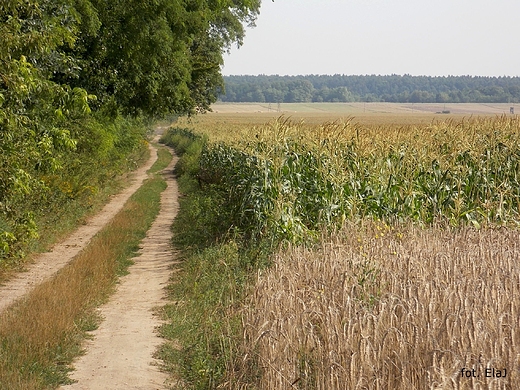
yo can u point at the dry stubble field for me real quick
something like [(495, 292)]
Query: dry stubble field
[(387, 303), (365, 112)]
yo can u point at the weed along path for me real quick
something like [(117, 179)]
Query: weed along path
[(47, 264), (120, 354)]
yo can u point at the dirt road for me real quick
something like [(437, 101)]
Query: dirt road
[(120, 354)]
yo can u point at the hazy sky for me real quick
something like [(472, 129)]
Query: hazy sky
[(357, 37)]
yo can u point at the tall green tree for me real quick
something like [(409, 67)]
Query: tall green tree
[(162, 56)]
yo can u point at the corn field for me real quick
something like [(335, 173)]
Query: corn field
[(290, 180)]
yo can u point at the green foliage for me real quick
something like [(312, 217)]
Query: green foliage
[(154, 58), (202, 218), (35, 190), (77, 77), (34, 111), (287, 189)]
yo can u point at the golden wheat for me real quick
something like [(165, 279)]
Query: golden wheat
[(377, 307)]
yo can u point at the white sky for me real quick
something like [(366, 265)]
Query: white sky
[(358, 37)]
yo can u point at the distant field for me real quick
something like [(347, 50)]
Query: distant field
[(361, 112)]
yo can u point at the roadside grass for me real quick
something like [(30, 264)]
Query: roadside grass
[(41, 335), (56, 224), (202, 317), (203, 326)]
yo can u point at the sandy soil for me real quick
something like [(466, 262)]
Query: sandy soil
[(47, 264), (120, 354)]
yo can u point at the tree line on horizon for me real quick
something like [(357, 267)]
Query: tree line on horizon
[(370, 88)]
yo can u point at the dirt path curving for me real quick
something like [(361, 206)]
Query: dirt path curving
[(45, 265), (120, 354)]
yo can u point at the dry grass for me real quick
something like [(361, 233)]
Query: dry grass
[(376, 307), (33, 331)]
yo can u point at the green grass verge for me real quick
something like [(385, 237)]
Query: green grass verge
[(40, 336), (216, 267)]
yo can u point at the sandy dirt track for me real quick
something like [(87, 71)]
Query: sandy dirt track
[(120, 355), (47, 264)]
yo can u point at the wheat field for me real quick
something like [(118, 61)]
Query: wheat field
[(385, 307)]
